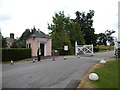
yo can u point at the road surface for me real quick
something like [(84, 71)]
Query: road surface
[(48, 73)]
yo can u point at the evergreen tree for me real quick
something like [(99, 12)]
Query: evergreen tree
[(86, 25), (58, 34)]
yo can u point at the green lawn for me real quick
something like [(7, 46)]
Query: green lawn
[(108, 76), (103, 48)]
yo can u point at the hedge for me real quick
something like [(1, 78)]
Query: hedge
[(96, 49), (15, 53)]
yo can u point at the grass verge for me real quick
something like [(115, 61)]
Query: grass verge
[(108, 75), (103, 48), (8, 62)]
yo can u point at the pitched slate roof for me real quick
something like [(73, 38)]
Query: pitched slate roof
[(39, 34)]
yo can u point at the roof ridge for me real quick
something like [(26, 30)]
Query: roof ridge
[(39, 34)]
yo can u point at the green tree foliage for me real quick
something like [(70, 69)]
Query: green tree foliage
[(73, 30), (25, 34), (68, 27), (86, 25), (79, 35), (106, 36), (70, 30), (21, 42), (4, 42), (58, 34), (79, 29)]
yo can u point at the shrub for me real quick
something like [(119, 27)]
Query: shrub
[(15, 53), (71, 51), (96, 49)]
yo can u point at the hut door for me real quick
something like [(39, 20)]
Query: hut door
[(42, 49)]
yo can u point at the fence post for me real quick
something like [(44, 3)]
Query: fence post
[(76, 49), (92, 50)]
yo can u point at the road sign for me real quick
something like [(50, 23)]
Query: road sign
[(66, 48)]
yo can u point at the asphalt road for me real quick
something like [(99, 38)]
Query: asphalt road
[(48, 73)]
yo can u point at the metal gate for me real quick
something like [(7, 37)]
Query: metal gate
[(84, 49)]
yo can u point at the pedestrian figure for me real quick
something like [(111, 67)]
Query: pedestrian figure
[(39, 54)]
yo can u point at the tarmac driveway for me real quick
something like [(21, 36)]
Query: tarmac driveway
[(48, 73)]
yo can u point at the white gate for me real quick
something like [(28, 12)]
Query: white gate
[(85, 49)]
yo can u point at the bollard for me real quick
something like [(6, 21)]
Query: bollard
[(93, 76), (11, 62), (78, 56), (64, 57), (102, 62), (33, 60)]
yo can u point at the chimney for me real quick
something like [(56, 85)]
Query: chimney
[(12, 35)]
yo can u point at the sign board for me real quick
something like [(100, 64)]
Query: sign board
[(56, 51), (66, 48)]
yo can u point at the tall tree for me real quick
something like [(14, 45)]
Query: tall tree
[(106, 37), (58, 34), (73, 30), (21, 42), (86, 25), (25, 34), (4, 42)]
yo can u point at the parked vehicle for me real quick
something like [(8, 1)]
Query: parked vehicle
[(117, 48)]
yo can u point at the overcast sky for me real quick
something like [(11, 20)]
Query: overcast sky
[(18, 15)]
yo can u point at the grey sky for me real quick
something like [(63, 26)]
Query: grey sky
[(17, 15)]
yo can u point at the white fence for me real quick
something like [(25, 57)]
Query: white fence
[(85, 49)]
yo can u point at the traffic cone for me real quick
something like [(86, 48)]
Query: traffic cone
[(11, 62), (53, 59)]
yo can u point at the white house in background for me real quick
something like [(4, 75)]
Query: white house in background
[(39, 40)]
